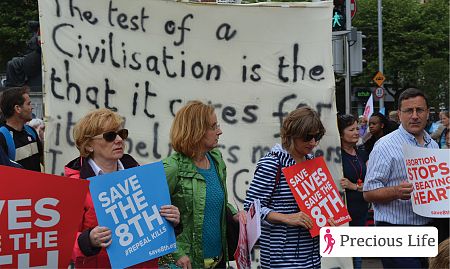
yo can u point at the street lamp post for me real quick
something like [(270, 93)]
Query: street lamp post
[(348, 83), (380, 46)]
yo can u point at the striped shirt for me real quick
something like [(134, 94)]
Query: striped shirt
[(28, 150), (386, 168), (282, 246)]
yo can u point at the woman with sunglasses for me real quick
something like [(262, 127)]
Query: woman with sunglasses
[(99, 137), (196, 174), (354, 168), (285, 238)]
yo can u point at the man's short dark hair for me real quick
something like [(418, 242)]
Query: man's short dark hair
[(10, 98), (411, 93)]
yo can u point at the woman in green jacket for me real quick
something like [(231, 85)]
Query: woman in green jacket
[(196, 175)]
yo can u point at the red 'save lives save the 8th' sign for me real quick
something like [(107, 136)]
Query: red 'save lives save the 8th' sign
[(316, 194), (39, 217)]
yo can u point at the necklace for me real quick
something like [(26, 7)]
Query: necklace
[(350, 150), (359, 181), (203, 163)]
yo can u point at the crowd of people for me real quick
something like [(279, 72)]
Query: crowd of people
[(372, 164)]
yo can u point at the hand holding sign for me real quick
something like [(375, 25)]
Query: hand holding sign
[(403, 190), (100, 237), (171, 213), (316, 195), (299, 219), (347, 184)]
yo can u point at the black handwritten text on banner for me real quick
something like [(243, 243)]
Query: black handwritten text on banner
[(146, 59)]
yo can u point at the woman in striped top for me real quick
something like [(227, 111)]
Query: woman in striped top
[(285, 239)]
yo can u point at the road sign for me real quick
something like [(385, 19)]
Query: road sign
[(379, 78), (353, 8), (379, 92)]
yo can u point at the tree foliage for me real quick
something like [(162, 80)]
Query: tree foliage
[(14, 32), (415, 45)]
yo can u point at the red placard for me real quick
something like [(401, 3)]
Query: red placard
[(39, 218), (242, 253), (316, 194)]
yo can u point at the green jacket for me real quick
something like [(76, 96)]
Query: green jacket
[(188, 192)]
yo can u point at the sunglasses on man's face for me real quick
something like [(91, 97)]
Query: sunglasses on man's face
[(316, 137), (111, 136)]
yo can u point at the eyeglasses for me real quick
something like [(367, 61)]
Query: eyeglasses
[(111, 136), (410, 111), (215, 127), (309, 137)]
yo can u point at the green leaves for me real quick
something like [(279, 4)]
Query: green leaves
[(415, 45), (14, 17)]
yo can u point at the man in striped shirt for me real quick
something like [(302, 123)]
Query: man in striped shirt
[(15, 104), (386, 184)]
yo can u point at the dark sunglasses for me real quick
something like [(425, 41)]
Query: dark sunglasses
[(309, 137), (111, 136)]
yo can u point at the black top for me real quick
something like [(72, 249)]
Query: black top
[(22, 138), (4, 160), (354, 168), (368, 146)]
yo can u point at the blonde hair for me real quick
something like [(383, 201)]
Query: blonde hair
[(298, 124), (189, 126), (441, 261), (94, 123)]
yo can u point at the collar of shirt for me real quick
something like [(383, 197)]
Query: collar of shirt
[(426, 136), (98, 171)]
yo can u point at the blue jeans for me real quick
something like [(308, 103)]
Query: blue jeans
[(357, 262), (404, 262), (361, 221)]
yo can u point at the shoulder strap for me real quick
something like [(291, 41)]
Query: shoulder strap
[(277, 177), (9, 142), (30, 131)]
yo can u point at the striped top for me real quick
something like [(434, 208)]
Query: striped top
[(386, 168), (28, 150), (282, 246)]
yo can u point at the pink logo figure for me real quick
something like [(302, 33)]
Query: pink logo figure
[(330, 241)]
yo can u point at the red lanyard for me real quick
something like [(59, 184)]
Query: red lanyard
[(356, 170)]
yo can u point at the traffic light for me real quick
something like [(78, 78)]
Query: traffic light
[(357, 63), (338, 56), (338, 17)]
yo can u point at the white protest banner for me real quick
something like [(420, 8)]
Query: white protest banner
[(146, 59), (428, 170)]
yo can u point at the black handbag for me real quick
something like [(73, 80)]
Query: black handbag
[(232, 234)]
